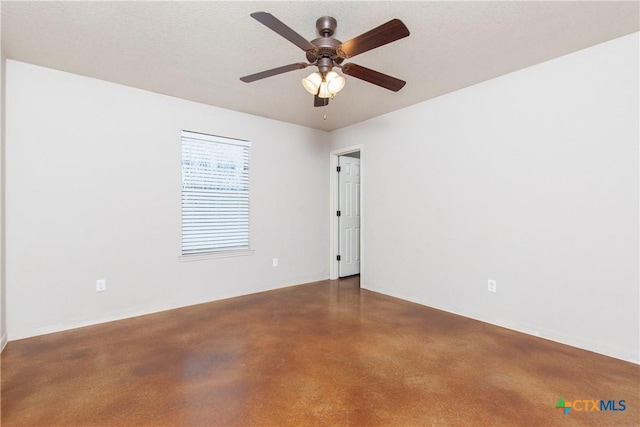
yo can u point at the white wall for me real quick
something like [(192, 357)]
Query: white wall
[(93, 191), (3, 312), (530, 179)]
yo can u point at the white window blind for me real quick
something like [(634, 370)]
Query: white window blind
[(215, 193)]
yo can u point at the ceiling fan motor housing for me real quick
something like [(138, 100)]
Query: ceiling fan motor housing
[(326, 44)]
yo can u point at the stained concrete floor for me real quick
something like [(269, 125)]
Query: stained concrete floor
[(320, 354)]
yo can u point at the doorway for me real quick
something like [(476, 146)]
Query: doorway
[(346, 212)]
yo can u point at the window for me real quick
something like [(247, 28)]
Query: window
[(215, 194)]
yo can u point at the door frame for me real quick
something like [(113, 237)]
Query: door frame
[(334, 230)]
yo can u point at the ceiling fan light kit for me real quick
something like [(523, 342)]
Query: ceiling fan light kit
[(326, 86), (326, 52)]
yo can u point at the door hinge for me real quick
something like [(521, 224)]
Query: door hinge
[(338, 257), (338, 168), (338, 213)]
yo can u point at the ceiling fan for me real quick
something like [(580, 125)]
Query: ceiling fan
[(326, 52)]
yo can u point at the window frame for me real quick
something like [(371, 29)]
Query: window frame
[(222, 252)]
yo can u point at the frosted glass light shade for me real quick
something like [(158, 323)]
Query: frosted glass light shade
[(324, 91), (312, 83), (335, 82)]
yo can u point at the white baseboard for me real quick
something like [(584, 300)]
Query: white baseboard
[(140, 311), (3, 341), (547, 335)]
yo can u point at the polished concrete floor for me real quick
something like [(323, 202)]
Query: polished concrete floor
[(320, 354)]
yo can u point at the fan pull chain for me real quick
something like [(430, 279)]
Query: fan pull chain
[(324, 111)]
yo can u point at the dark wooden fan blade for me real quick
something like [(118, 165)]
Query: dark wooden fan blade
[(372, 76), (320, 102), (379, 36), (281, 28), (273, 72)]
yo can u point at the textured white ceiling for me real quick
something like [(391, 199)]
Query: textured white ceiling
[(198, 50)]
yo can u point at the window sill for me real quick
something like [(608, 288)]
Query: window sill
[(214, 255)]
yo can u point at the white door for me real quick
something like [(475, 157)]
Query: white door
[(349, 219)]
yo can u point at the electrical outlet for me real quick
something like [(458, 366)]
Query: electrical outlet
[(274, 262), (101, 285), (492, 286)]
